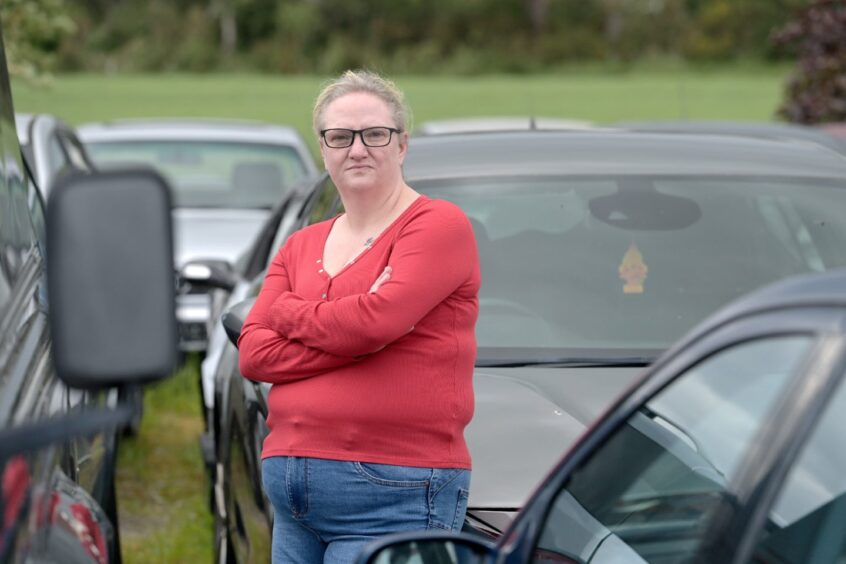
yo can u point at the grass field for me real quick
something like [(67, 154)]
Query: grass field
[(737, 92)]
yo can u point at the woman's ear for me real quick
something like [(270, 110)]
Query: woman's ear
[(403, 145)]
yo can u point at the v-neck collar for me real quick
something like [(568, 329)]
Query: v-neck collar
[(417, 201)]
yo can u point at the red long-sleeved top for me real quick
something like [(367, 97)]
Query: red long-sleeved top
[(381, 377)]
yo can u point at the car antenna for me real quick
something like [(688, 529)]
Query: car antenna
[(532, 123)]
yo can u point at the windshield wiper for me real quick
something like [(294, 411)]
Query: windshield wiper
[(567, 362)]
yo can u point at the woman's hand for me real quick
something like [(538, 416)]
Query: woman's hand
[(384, 277)]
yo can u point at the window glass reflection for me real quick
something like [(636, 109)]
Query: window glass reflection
[(806, 523), (647, 493)]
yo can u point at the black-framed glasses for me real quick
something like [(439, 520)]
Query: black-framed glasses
[(338, 138)]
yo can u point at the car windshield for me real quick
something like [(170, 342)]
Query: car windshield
[(597, 268), (211, 174)]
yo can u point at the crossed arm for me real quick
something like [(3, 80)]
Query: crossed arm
[(267, 356), (286, 337), (430, 260)]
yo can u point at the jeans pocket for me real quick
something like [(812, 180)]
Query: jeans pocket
[(394, 476), (460, 509)]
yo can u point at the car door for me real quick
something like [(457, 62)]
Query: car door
[(48, 515), (689, 467)]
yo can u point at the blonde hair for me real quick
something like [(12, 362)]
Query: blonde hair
[(362, 81)]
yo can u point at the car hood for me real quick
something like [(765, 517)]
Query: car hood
[(214, 233), (525, 419)]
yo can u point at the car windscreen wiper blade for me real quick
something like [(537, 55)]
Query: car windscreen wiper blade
[(568, 362)]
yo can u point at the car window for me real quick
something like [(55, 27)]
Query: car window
[(56, 160), (324, 204), (75, 152), (561, 257), (806, 522), (212, 174), (647, 493)]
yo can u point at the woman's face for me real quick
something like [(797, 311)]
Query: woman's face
[(359, 167)]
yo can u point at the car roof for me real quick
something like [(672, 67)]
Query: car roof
[(497, 123), (189, 129), (609, 153), (767, 130)]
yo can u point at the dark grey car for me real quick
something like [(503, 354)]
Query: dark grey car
[(729, 450), (598, 250), (65, 344)]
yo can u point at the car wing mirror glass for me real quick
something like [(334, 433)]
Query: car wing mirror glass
[(429, 548), (209, 273), (110, 279), (233, 319)]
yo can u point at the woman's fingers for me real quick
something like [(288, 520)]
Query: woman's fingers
[(384, 277)]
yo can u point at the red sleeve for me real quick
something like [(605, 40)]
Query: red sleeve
[(434, 254), (267, 356)]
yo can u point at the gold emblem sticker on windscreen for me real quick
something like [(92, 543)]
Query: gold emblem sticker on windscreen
[(633, 271)]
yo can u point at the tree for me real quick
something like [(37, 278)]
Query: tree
[(816, 90), (33, 30)]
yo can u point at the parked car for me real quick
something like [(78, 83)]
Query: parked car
[(65, 344), (598, 249), (836, 129), (763, 129), (729, 449), (51, 149), (497, 123), (230, 283), (226, 176)]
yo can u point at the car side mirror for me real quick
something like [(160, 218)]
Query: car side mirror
[(208, 273), (429, 548), (233, 319), (110, 282)]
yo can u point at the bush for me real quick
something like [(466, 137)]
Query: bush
[(816, 90)]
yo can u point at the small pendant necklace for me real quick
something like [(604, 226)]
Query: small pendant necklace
[(369, 242)]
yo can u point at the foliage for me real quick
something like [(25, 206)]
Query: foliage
[(33, 31), (409, 37), (816, 91)]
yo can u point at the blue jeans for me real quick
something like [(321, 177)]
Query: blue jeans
[(326, 511)]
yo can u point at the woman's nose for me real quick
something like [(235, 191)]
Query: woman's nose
[(358, 147)]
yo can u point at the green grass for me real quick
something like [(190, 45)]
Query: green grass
[(162, 487), (750, 92)]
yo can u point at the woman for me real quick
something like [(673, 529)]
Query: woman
[(365, 328)]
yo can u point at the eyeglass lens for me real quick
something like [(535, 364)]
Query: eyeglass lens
[(372, 137)]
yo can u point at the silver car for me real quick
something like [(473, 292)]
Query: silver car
[(51, 148), (226, 177)]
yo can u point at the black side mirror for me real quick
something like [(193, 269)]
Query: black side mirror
[(233, 319), (209, 273), (429, 548), (110, 278)]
